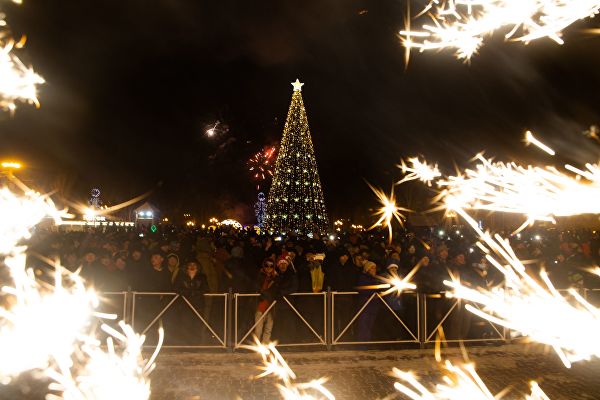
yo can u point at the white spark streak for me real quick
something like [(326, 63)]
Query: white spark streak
[(570, 326), (463, 24), (541, 194), (388, 210), (530, 139), (17, 81), (458, 383), (419, 171), (48, 328), (274, 364)]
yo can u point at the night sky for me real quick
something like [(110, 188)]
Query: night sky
[(132, 86)]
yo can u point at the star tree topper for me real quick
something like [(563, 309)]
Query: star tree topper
[(297, 86)]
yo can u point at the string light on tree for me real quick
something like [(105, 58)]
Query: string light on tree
[(295, 202)]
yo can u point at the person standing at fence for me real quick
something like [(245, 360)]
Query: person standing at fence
[(285, 284), (266, 279), (366, 288), (157, 278), (204, 256), (192, 285), (341, 275), (173, 266)]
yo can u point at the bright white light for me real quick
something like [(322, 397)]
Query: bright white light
[(464, 24), (458, 383), (420, 170), (388, 210), (274, 364), (539, 193), (570, 325), (49, 328)]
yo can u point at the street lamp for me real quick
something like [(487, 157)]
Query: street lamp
[(8, 167), (11, 165)]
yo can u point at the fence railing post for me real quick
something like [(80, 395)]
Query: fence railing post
[(229, 320), (328, 319), (421, 321), (127, 307)]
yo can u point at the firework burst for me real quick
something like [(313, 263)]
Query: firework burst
[(261, 164)]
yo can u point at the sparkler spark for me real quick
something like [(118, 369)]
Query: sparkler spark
[(419, 171), (463, 24), (48, 328), (17, 81), (530, 139), (537, 311), (274, 364), (109, 374), (395, 283), (458, 383), (541, 194), (388, 211)]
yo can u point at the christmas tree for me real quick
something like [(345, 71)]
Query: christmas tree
[(295, 202)]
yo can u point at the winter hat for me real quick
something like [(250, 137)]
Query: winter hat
[(173, 255), (392, 265), (283, 259), (368, 265)]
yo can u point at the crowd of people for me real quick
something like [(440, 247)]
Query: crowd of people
[(194, 262)]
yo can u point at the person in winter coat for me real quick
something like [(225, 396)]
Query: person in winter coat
[(206, 262), (266, 279), (191, 284), (366, 319), (158, 277), (341, 275), (173, 265), (240, 283)]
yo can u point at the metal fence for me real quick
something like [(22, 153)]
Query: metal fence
[(196, 322), (326, 319), (299, 319)]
